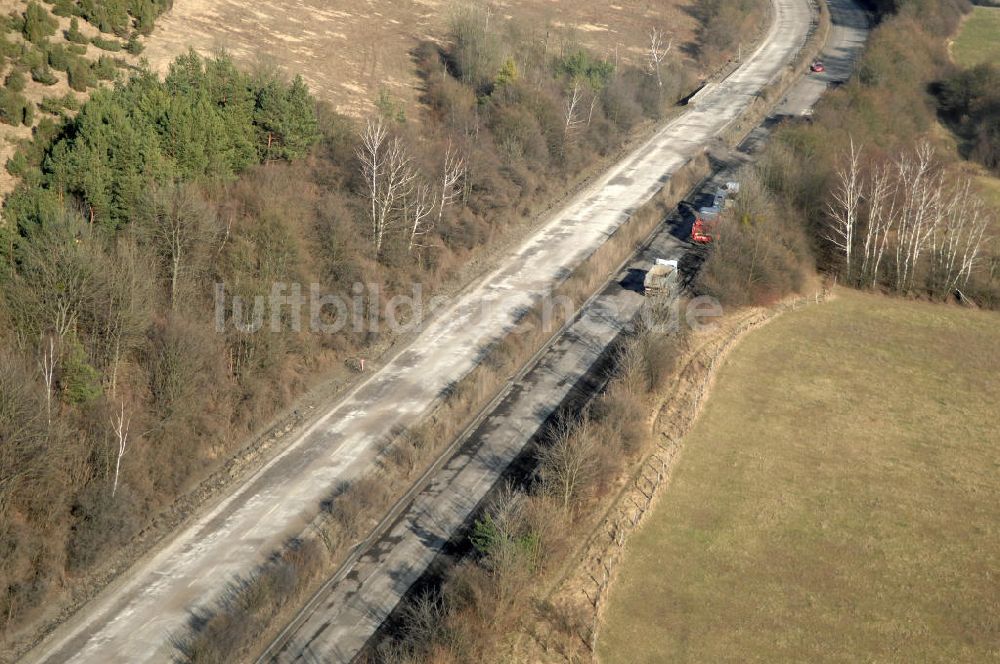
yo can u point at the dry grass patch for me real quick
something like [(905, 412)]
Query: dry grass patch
[(837, 500)]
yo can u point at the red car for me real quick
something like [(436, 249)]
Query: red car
[(817, 66)]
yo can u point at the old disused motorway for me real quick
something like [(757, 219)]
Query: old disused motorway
[(340, 619), (132, 621)]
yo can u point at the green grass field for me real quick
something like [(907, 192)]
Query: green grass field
[(979, 40), (838, 499)]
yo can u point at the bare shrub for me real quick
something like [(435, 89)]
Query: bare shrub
[(101, 523), (567, 462)]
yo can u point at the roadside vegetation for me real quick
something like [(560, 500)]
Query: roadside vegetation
[(490, 601), (757, 257), (866, 534)]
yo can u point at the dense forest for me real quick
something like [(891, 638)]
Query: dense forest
[(114, 16), (105, 242)]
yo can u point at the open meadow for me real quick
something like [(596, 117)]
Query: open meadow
[(837, 500)]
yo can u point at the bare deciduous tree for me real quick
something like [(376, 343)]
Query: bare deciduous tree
[(920, 199), (55, 278), (452, 176), (388, 175), (24, 441), (955, 248), (567, 464), (121, 309), (843, 210), (881, 196), (119, 424), (47, 363), (914, 209), (423, 618), (509, 549), (420, 203), (180, 225), (372, 155), (417, 208), (658, 52), (573, 120)]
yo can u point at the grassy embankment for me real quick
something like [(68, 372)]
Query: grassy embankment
[(979, 40), (856, 521)]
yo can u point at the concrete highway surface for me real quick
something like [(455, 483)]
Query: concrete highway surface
[(848, 34), (133, 619)]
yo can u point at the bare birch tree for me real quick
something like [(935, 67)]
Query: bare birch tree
[(921, 191), (452, 179), (932, 224), (388, 175), (373, 157), (843, 209), (658, 52), (120, 423), (418, 209), (573, 120), (881, 197), (955, 248), (47, 363)]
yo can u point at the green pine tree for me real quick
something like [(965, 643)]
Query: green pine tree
[(286, 120), (79, 380), (38, 24)]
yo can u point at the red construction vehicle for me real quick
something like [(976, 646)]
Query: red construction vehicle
[(705, 229)]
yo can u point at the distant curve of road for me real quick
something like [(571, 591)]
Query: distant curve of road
[(132, 620)]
